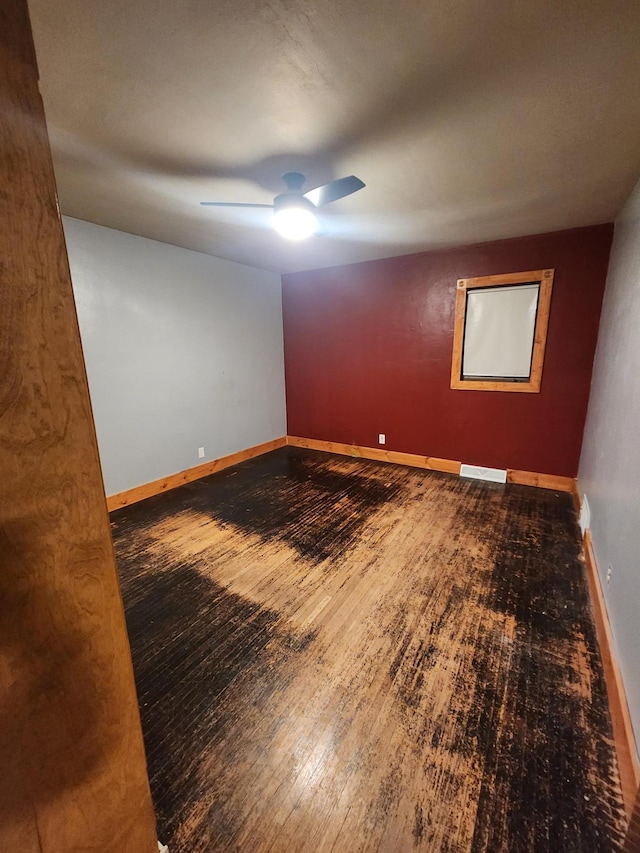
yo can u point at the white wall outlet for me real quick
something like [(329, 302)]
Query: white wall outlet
[(382, 438), (609, 574), (201, 453)]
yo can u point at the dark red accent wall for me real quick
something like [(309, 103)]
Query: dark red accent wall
[(368, 350)]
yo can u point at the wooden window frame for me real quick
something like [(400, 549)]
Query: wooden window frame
[(532, 386)]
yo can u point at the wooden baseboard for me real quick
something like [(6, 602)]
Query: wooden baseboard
[(147, 490), (432, 463), (541, 481), (620, 717), (412, 459)]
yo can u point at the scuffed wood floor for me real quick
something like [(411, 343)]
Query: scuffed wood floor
[(340, 655)]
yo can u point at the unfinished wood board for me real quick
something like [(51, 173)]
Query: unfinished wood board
[(338, 654)]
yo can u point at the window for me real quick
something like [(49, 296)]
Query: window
[(501, 331)]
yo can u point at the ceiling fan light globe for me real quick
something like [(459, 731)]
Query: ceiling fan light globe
[(295, 223)]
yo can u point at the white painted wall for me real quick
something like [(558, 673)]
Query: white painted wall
[(183, 350), (610, 463)]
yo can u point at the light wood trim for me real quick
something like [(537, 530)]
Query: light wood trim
[(545, 277), (414, 460), (458, 333), (620, 717), (148, 490), (541, 481), (432, 463)]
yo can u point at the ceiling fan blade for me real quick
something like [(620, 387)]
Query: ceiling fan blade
[(232, 204), (334, 190)]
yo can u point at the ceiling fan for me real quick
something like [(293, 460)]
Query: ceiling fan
[(294, 211)]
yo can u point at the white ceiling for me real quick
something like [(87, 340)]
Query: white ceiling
[(467, 120)]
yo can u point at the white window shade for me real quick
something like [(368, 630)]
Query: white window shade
[(499, 332)]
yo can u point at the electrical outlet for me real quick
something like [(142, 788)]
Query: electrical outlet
[(609, 574), (382, 438), (201, 453)]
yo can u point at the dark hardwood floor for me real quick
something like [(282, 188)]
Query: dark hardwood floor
[(342, 655)]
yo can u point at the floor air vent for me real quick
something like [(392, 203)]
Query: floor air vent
[(476, 472)]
